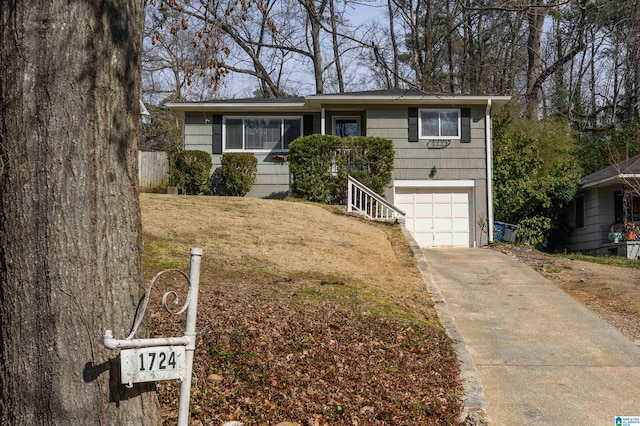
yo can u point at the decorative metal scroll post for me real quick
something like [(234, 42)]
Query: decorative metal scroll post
[(171, 358)]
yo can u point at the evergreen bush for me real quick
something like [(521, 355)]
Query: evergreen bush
[(191, 170), (238, 172), (320, 165)]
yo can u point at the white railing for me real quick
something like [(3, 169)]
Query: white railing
[(366, 202)]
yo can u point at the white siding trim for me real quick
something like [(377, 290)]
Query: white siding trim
[(488, 124), (434, 183), (620, 176)]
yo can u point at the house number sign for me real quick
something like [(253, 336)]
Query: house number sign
[(169, 358), (152, 364)]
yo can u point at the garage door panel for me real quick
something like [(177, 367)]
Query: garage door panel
[(442, 210), (461, 240), (407, 208), (436, 216), (442, 224), (460, 197), (460, 225), (423, 197), (409, 224), (440, 197), (423, 224), (423, 210), (443, 239), (460, 210)]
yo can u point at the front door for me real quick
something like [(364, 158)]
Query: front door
[(346, 126)]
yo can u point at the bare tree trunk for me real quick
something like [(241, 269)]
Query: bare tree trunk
[(394, 45), (416, 51), (450, 32), (315, 21), (336, 49), (427, 34), (467, 61), (535, 19), (70, 233), (635, 46)]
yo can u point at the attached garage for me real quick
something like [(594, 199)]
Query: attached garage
[(437, 216)]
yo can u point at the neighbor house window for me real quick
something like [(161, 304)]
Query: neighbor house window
[(632, 208), (260, 133), (439, 124), (346, 126), (580, 211)]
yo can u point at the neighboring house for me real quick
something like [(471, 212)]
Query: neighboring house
[(607, 201), (442, 167)]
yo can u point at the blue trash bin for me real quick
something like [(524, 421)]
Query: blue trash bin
[(498, 228)]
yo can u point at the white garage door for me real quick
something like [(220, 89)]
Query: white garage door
[(436, 217)]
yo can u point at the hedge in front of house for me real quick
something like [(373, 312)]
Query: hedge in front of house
[(320, 165), (238, 171), (192, 171)]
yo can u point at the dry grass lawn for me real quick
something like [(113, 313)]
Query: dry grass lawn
[(306, 315)]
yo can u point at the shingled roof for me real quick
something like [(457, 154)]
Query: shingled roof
[(625, 169)]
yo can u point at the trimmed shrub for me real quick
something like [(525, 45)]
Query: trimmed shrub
[(191, 170), (238, 171), (320, 165), (369, 160), (310, 162)]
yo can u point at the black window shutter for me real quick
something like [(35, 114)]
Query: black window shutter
[(307, 125), (465, 125), (217, 134), (413, 124)]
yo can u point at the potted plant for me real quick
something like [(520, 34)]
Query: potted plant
[(614, 237)]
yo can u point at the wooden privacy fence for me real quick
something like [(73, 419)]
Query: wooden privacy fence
[(153, 169)]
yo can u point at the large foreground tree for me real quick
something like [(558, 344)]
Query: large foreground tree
[(70, 230)]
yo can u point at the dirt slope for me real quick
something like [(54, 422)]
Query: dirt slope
[(305, 315), (612, 291)]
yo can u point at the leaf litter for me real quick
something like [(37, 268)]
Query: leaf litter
[(323, 321)]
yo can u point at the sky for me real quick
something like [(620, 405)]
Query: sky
[(300, 78)]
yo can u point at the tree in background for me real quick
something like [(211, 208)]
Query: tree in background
[(70, 230), (535, 175)]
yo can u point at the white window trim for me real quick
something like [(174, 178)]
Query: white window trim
[(421, 136), (344, 117), (258, 117)]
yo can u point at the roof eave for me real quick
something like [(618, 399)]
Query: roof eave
[(234, 107), (316, 101), (611, 179)]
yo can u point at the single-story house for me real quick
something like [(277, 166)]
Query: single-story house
[(606, 211), (443, 162)]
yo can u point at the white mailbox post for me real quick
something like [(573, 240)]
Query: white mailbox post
[(171, 358)]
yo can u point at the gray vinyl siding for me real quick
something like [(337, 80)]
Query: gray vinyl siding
[(598, 214), (198, 132), (272, 177), (458, 161), (414, 160)]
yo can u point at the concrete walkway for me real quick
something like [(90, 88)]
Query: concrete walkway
[(531, 354)]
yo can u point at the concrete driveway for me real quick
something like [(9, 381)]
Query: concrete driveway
[(540, 357)]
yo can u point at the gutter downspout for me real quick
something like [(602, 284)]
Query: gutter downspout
[(487, 131), (322, 121)]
